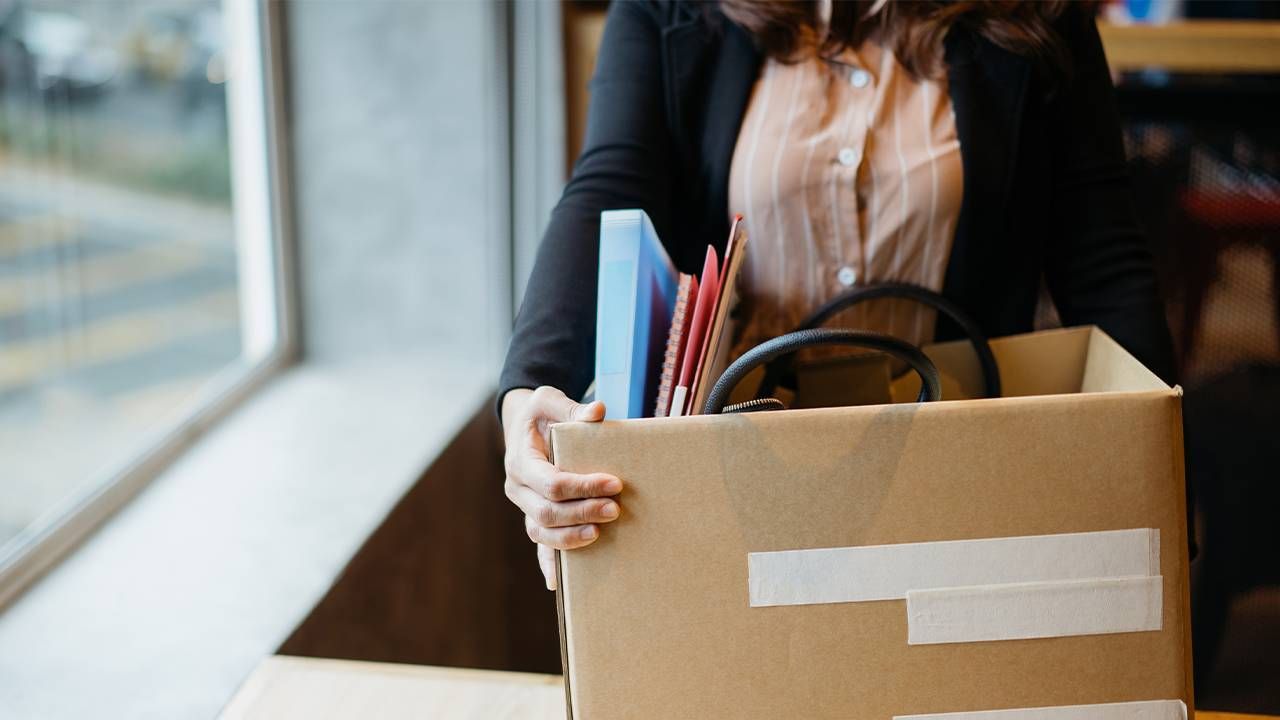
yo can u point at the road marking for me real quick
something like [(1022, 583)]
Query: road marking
[(24, 363), (73, 282), (34, 232)]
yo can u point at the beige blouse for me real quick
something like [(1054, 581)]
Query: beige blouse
[(846, 172)]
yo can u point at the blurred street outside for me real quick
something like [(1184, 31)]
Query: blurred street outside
[(118, 291)]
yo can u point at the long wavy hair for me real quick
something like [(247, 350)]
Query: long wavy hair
[(792, 31)]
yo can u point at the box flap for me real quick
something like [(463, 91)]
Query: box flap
[(1110, 368), (1049, 362)]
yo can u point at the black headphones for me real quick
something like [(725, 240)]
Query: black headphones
[(777, 353)]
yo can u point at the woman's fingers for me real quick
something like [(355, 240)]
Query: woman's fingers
[(547, 561), (561, 538), (561, 509), (557, 485), (551, 404), (560, 514)]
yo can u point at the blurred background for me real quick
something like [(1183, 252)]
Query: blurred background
[(119, 289), (258, 265)]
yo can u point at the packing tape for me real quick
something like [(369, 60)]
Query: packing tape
[(1097, 606), (888, 572), (1145, 710)]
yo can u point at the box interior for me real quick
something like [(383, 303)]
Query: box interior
[(1050, 362)]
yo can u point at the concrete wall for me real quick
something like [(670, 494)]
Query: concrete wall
[(402, 207), (400, 175)]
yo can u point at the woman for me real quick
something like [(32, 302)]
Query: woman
[(969, 147)]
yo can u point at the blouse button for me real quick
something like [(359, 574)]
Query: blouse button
[(846, 276), (859, 78), (847, 156)]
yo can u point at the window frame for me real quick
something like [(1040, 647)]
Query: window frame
[(265, 254)]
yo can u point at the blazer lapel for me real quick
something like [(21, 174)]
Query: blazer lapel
[(684, 47), (988, 88), (732, 79), (711, 66)]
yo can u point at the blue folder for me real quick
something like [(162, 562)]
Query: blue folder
[(635, 298)]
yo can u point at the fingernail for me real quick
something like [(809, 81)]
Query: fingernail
[(609, 510), (588, 532), (613, 486)]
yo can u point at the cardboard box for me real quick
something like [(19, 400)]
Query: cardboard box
[(657, 618)]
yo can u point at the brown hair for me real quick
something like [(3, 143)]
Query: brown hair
[(790, 30)]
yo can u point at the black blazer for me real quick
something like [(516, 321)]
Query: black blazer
[(1046, 190)]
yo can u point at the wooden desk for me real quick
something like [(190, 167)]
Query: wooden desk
[(283, 688)]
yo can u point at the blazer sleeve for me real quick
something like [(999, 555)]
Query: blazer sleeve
[(624, 164), (1098, 268)]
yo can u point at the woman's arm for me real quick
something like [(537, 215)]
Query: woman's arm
[(1098, 267), (624, 164)]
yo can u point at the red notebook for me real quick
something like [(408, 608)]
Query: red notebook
[(715, 345), (703, 306)]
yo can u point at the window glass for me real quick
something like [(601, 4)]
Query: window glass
[(119, 298)]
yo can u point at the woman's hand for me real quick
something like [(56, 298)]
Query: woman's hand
[(561, 509)]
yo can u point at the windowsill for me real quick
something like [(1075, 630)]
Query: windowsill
[(167, 608)]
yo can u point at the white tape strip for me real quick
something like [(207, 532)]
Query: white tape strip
[(1034, 610), (887, 572), (1147, 710)]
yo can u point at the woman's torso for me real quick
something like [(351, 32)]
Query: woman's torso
[(1044, 197), (848, 173)]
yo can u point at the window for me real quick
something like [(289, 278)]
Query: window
[(139, 274)]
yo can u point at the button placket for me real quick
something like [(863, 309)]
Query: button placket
[(851, 154), (842, 273)]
